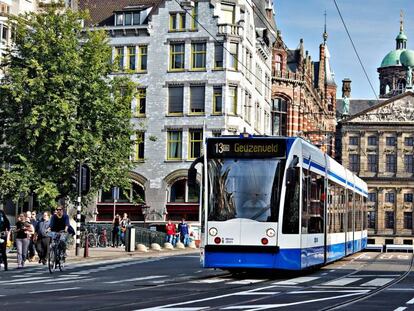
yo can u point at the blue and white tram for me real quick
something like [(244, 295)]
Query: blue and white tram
[(278, 203)]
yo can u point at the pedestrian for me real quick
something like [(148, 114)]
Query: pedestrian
[(4, 238), (115, 230), (170, 230), (31, 217), (184, 232), (24, 230), (42, 240), (125, 222)]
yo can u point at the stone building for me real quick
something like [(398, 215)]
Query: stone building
[(303, 94), (377, 138), (203, 68)]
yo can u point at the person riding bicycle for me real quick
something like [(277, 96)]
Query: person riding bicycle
[(59, 224), (4, 237)]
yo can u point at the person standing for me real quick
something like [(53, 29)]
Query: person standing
[(124, 223), (170, 230), (184, 232), (4, 237), (24, 230), (115, 230), (42, 241), (31, 217)]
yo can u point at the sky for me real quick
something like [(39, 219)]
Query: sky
[(373, 26)]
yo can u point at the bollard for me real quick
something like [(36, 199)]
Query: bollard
[(86, 250)]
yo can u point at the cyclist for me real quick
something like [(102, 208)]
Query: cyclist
[(4, 237), (59, 223)]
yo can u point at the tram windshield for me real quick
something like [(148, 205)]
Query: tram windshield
[(244, 188)]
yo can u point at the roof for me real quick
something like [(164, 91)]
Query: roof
[(101, 11), (261, 19), (392, 58), (358, 105)]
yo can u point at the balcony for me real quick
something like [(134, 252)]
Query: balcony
[(230, 30)]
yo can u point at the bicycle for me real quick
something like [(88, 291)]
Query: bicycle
[(56, 254)]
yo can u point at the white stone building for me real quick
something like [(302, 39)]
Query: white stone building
[(203, 69)]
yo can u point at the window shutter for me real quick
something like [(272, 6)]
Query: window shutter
[(197, 98)]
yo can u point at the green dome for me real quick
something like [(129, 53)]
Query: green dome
[(407, 58), (401, 36), (392, 59)]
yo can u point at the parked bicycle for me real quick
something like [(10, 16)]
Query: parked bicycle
[(56, 254)]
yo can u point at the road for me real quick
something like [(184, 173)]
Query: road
[(178, 283)]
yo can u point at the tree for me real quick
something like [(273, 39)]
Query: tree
[(60, 106)]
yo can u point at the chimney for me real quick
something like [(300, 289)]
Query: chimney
[(346, 88)]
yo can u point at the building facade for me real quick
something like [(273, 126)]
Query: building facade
[(203, 68), (377, 138), (303, 95)]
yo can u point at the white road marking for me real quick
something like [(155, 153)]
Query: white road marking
[(246, 281), (378, 282), (211, 281), (297, 281), (79, 280), (53, 290), (341, 282), (18, 282), (410, 302), (23, 280), (137, 279), (400, 309)]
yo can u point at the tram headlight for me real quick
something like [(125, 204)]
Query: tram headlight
[(270, 233), (213, 231)]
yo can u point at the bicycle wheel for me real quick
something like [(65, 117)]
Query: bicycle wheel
[(102, 242), (92, 240), (52, 260), (61, 260)]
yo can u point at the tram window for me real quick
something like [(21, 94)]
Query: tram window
[(291, 212), (350, 208), (358, 212), (314, 203)]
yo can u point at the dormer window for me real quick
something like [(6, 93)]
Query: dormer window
[(127, 18)]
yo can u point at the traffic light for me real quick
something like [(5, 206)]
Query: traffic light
[(85, 179), (74, 182)]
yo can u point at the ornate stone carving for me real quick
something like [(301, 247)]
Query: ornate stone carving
[(397, 111)]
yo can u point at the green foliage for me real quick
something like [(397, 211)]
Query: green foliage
[(59, 105)]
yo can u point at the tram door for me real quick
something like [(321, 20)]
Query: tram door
[(349, 222)]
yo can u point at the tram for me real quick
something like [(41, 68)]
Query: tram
[(277, 203)]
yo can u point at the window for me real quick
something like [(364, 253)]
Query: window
[(141, 99), (218, 55), (353, 140), (177, 21), (177, 56), (409, 141), (227, 14), (372, 140), (180, 192), (391, 163), (120, 19), (372, 197), (198, 55), (136, 18), (408, 163), (249, 62), (371, 219), (196, 143), (119, 58), (257, 114), (142, 57), (233, 62), (354, 163), (372, 163), (259, 78), (194, 14), (279, 115), (278, 65), (4, 32), (408, 197), (139, 146), (232, 100), (408, 220), (389, 220), (174, 145), (175, 99), (248, 107), (390, 141), (131, 58), (390, 197), (217, 99), (197, 96), (128, 18)]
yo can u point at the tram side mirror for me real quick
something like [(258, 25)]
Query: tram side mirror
[(192, 176), (291, 176)]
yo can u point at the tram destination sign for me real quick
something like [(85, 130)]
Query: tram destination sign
[(246, 148)]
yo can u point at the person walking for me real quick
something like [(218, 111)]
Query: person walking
[(115, 230), (184, 232), (42, 240), (170, 230), (31, 217), (24, 230), (4, 237), (124, 223)]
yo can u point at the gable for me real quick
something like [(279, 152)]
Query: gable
[(399, 109)]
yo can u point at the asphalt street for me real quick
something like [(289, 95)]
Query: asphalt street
[(178, 283)]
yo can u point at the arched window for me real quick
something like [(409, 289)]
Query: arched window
[(278, 64), (180, 192), (401, 85), (136, 192), (279, 116)]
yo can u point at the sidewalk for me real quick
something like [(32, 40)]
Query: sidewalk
[(108, 253)]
